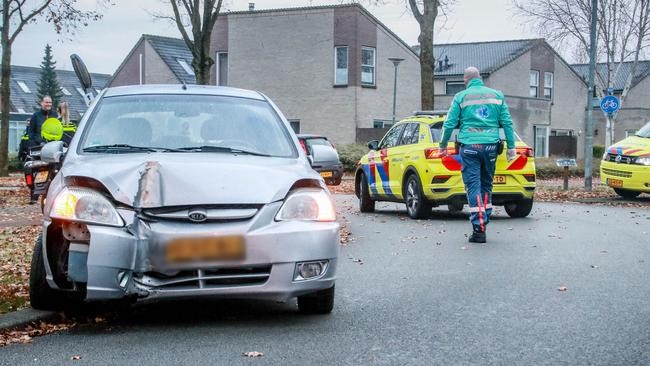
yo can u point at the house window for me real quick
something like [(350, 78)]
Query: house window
[(23, 86), (295, 125), (629, 133), (453, 87), (548, 85), (185, 66), (561, 132), (541, 141), (367, 66), (222, 68), (341, 65), (534, 83), (382, 123), (65, 91)]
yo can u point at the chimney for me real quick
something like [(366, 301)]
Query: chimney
[(251, 6), (446, 62)]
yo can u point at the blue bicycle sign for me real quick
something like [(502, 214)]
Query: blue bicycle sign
[(609, 104)]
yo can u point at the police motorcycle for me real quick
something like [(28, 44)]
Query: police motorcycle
[(38, 173)]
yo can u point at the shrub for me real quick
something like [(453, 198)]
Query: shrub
[(15, 165), (545, 168), (598, 151), (350, 155)]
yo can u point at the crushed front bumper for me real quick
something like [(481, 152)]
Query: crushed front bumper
[(121, 262)]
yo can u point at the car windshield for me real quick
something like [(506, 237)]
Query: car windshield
[(644, 131), (186, 123), (436, 134)]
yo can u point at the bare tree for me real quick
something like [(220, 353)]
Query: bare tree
[(195, 20), (64, 15), (425, 12), (623, 34)]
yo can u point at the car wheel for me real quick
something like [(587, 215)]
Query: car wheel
[(626, 193), (321, 302), (455, 207), (41, 295), (417, 206), (519, 208), (366, 204), (335, 182)]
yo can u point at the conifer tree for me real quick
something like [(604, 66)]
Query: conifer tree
[(49, 85)]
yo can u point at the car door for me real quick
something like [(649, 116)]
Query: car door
[(381, 163), (400, 156)]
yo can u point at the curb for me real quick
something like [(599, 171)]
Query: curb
[(23, 317)]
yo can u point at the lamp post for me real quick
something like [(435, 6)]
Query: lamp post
[(395, 62)]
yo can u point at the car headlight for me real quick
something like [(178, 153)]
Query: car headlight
[(309, 205), (644, 160), (85, 205)]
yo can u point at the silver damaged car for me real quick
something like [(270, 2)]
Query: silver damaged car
[(172, 191)]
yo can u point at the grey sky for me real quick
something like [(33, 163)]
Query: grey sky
[(104, 44)]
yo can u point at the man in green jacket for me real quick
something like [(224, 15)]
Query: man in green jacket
[(478, 112)]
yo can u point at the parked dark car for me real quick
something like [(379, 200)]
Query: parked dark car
[(326, 162)]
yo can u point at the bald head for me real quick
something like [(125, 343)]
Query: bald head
[(471, 73)]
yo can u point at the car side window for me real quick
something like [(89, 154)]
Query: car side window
[(392, 137), (410, 135)]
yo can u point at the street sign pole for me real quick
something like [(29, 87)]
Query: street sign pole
[(589, 124)]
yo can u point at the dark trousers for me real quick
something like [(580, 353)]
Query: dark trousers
[(479, 162)]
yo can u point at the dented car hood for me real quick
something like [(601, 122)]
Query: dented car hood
[(178, 179)]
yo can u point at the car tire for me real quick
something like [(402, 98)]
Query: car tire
[(321, 302), (366, 204), (519, 208), (625, 193), (335, 182), (417, 206), (456, 207), (41, 295)]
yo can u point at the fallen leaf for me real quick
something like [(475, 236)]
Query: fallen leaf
[(75, 357), (253, 354), (562, 288)]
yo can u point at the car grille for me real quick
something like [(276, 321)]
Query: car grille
[(207, 278), (617, 173), (212, 213), (624, 159)]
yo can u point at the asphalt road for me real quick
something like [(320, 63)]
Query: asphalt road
[(414, 292)]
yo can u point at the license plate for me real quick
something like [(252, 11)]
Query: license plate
[(205, 249), (616, 183), (326, 174), (499, 179), (41, 177)]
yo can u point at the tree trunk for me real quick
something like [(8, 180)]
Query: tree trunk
[(426, 69), (5, 96)]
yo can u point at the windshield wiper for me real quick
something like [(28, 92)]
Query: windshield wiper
[(119, 148), (213, 148)]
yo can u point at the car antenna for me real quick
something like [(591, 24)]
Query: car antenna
[(184, 85)]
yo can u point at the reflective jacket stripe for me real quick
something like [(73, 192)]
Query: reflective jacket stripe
[(481, 102)]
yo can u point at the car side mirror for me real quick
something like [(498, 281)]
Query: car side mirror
[(53, 152), (373, 145)]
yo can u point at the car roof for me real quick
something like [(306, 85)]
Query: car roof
[(428, 119), (180, 89), (310, 136)]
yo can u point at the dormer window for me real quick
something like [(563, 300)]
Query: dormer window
[(185, 66)]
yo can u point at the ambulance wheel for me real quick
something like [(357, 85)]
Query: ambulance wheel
[(417, 206), (366, 204), (519, 208), (626, 193)]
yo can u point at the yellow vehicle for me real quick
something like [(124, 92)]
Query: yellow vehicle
[(626, 165), (406, 167)]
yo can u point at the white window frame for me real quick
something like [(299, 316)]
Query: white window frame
[(65, 91), (23, 86), (535, 134), (347, 65), (219, 67), (629, 133), (548, 87), (531, 84), (373, 66), (453, 82), (188, 69)]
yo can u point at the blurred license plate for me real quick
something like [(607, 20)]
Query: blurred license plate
[(206, 249), (41, 177), (616, 183), (326, 174), (499, 179)]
